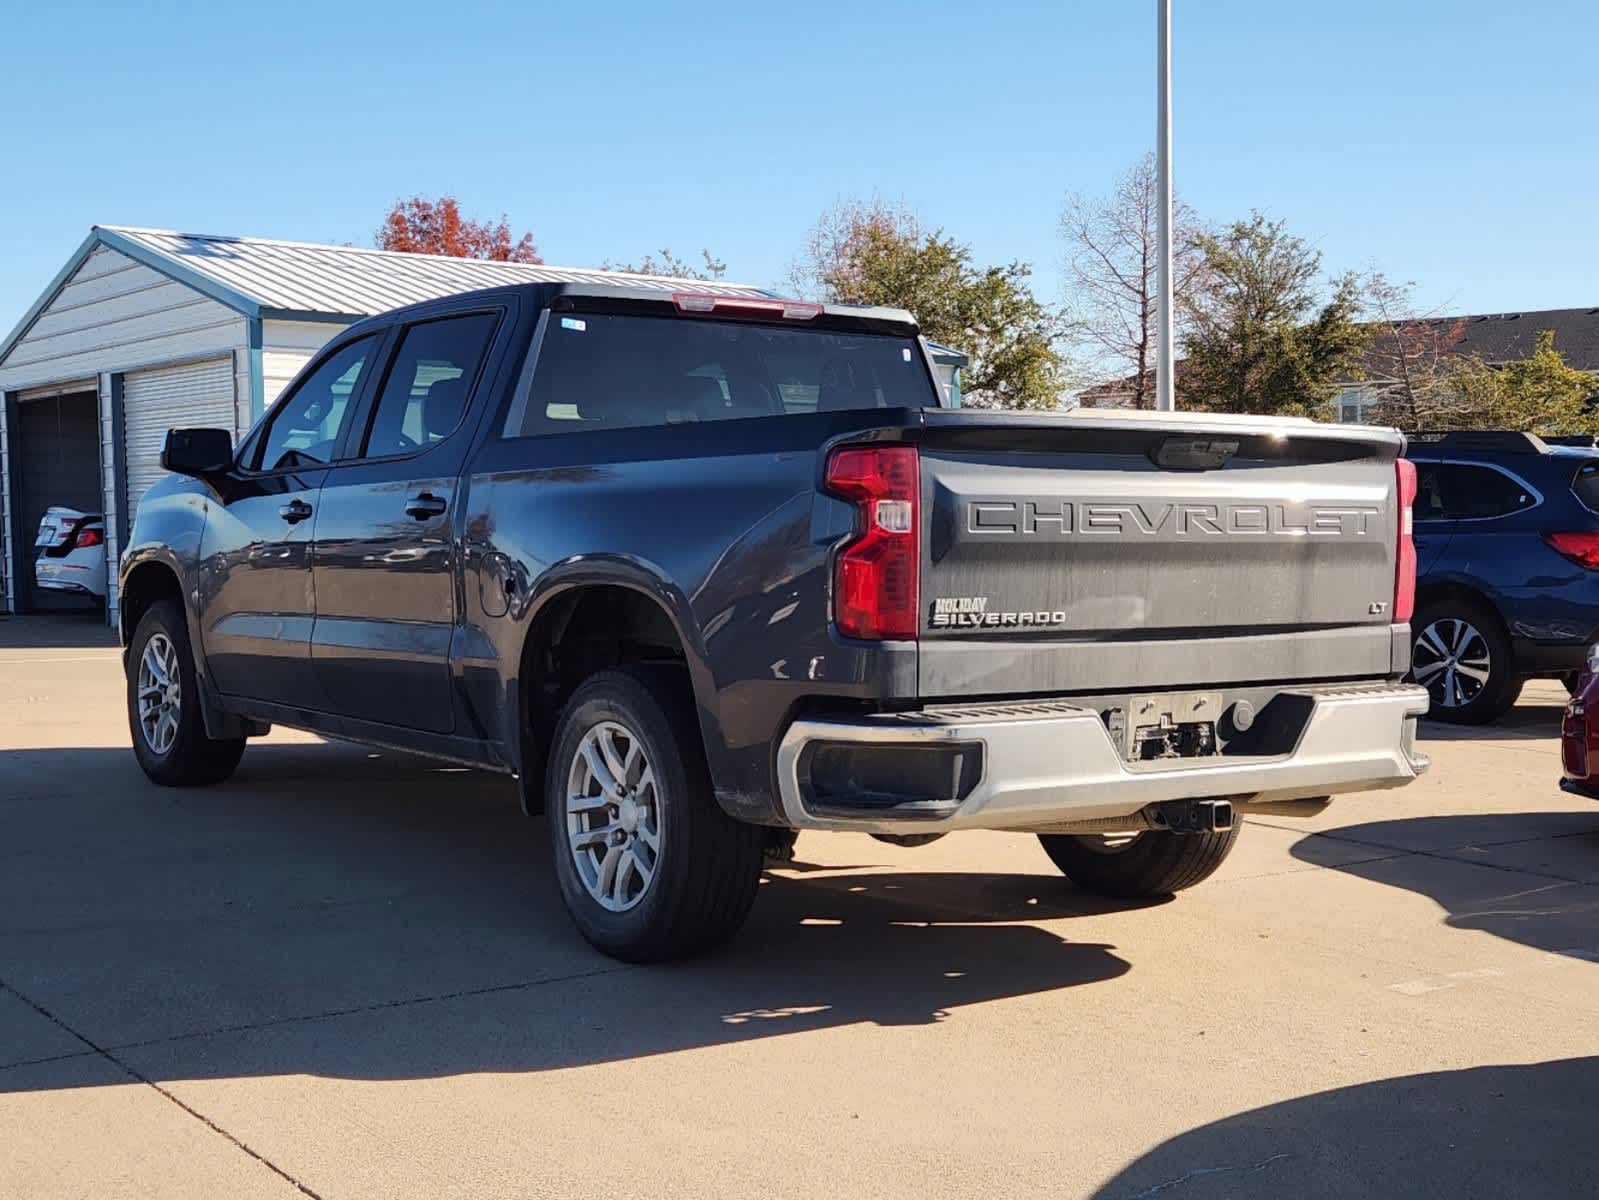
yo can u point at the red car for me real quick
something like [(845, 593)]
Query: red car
[(1579, 733)]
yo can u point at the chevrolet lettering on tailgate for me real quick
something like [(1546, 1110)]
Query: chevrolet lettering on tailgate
[(1115, 518)]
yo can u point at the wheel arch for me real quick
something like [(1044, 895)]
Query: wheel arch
[(143, 584), (585, 616), (1445, 590)]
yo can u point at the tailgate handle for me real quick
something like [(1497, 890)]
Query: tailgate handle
[(1194, 453)]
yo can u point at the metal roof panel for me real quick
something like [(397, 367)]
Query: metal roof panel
[(357, 282)]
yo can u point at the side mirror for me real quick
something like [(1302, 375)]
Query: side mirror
[(197, 452)]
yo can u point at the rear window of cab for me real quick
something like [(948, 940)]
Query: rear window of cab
[(605, 371)]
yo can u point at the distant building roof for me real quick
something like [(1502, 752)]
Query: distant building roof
[(1505, 337), (1493, 337)]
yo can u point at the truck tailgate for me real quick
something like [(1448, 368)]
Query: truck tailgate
[(1077, 554)]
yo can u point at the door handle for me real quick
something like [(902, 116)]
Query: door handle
[(424, 506), (295, 511)]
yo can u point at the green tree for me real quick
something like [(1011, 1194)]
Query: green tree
[(1541, 393), (1264, 336), (670, 264), (870, 253)]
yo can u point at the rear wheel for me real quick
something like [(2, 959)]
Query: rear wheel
[(1461, 655), (169, 737), (1135, 865), (649, 865)]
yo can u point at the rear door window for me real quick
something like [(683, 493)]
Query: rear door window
[(1430, 505), (428, 386), (598, 371)]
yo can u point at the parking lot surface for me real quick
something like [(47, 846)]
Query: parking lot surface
[(346, 973)]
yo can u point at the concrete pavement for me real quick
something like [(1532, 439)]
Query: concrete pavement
[(346, 974)]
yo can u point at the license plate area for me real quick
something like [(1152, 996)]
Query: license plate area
[(1168, 725)]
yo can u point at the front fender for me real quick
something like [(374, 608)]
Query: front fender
[(166, 532)]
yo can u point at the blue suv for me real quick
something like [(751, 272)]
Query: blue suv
[(1507, 564)]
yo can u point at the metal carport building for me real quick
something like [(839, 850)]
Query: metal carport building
[(147, 329)]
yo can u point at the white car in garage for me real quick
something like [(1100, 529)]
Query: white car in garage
[(71, 546)]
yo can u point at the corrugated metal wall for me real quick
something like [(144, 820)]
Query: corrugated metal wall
[(116, 314), (193, 395), (286, 346)]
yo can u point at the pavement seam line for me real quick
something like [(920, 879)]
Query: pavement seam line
[(159, 1090), (357, 1010), (49, 1058)]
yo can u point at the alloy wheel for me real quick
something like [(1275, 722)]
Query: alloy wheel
[(160, 693), (1451, 660), (613, 816)]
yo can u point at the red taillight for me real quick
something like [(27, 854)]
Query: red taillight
[(1405, 560), (1580, 547), (875, 575), (746, 306), (88, 535)]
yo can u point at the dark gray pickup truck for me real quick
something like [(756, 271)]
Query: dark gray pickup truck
[(702, 570)]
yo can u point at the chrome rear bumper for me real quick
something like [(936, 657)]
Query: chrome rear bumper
[(1052, 763)]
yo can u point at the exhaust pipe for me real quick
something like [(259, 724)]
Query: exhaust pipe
[(1192, 816)]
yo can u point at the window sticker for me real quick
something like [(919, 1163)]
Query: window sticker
[(574, 324), (906, 351)]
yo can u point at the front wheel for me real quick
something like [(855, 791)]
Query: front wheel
[(649, 865), (169, 737), (1138, 865)]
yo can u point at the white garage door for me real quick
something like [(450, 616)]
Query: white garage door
[(192, 396)]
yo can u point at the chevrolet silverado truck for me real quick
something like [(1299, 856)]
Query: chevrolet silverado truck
[(701, 570)]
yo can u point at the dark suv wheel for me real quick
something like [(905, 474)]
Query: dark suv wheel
[(169, 737), (1461, 655), (649, 865)]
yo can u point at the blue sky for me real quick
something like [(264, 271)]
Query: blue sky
[(1452, 143)]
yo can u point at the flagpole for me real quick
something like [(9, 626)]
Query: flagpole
[(1165, 392)]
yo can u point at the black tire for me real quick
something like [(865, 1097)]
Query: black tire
[(707, 868), (192, 759), (1152, 863), (1472, 702)]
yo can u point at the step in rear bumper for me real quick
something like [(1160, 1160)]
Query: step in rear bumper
[(1049, 763)]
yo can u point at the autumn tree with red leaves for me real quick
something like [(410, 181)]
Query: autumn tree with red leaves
[(423, 226)]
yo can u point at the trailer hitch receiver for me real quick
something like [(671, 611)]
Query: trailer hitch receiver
[(1192, 816)]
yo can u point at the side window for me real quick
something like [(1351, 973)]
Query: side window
[(305, 424), (426, 392), (1479, 492), (1585, 486), (1430, 504)]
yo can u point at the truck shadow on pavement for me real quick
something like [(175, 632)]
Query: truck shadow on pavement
[(337, 911), (1527, 877), (1524, 1131)]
